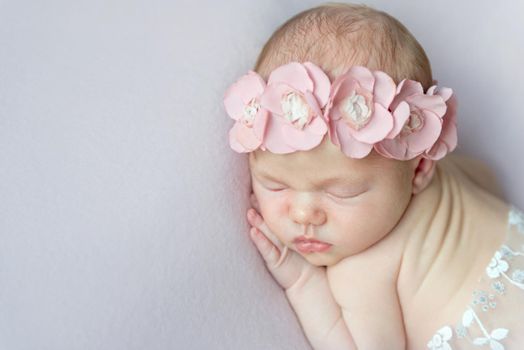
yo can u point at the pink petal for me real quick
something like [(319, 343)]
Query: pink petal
[(405, 89), (449, 126), (237, 147), (432, 103), (449, 136), (401, 85), (233, 143), (271, 99), (234, 106), (378, 128), (397, 148), (438, 151), (335, 113), (335, 86), (344, 88), (446, 93), (241, 135), (384, 90), (443, 92), (447, 141), (249, 86), (327, 110), (363, 76), (332, 131), (411, 155), (313, 103), (400, 116), (382, 151), (350, 146), (431, 90), (318, 126), (293, 74), (305, 139), (321, 82), (427, 136), (274, 139), (259, 125), (252, 85)]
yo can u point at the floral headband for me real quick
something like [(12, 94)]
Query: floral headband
[(360, 111)]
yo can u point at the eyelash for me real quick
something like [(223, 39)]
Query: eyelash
[(327, 193), (276, 189), (340, 197)]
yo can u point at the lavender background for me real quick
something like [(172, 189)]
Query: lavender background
[(121, 205)]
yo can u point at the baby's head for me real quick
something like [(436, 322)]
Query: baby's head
[(337, 144), (337, 36)]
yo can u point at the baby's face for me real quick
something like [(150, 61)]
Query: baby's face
[(324, 195)]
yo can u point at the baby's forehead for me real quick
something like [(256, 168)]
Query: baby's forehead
[(321, 163)]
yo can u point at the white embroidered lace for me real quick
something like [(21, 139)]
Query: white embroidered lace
[(484, 322)]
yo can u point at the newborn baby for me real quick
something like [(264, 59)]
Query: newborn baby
[(377, 242)]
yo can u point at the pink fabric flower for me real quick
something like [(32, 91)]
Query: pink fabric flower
[(242, 103), (295, 95), (358, 110), (361, 110), (416, 132), (447, 140)]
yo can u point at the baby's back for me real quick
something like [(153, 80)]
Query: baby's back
[(452, 287)]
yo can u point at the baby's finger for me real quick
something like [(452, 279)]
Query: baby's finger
[(285, 266), (254, 201), (269, 252), (257, 221)]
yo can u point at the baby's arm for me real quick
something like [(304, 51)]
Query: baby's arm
[(364, 285), (319, 314), (306, 288)]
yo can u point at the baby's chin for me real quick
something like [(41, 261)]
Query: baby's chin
[(322, 259)]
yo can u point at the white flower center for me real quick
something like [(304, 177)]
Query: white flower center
[(296, 110), (250, 111), (356, 110), (415, 121)]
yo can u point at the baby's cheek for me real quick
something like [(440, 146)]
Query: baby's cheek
[(273, 210), (360, 224), (270, 201)]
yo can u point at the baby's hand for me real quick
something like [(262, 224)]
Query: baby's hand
[(285, 265), (306, 287)]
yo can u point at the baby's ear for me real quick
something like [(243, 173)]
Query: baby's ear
[(424, 171)]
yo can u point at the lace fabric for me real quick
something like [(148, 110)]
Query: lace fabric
[(494, 319)]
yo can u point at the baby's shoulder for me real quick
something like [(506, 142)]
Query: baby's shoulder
[(472, 170)]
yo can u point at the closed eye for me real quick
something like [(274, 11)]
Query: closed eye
[(275, 189), (272, 186), (343, 195)]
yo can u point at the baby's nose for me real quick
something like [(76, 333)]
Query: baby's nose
[(307, 211)]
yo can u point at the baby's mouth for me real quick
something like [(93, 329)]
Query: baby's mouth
[(305, 245)]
